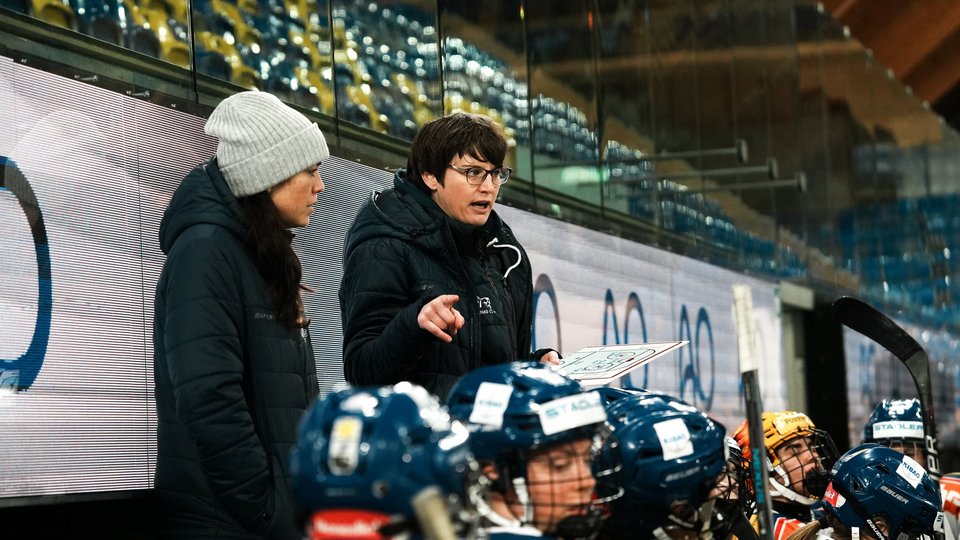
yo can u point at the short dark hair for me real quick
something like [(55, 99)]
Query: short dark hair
[(454, 134)]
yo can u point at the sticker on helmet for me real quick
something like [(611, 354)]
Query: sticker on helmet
[(789, 422), (344, 523), (831, 496), (911, 471), (571, 412), (896, 429), (674, 438), (345, 445), (490, 404)]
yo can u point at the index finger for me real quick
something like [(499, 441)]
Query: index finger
[(448, 300)]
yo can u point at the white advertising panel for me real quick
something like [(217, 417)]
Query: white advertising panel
[(597, 289)]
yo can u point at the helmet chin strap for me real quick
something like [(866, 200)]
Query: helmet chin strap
[(483, 508), (787, 493), (523, 497)]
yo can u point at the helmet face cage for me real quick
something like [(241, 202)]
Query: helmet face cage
[(803, 462), (734, 495), (880, 490), (556, 490), (367, 452), (538, 434), (897, 424)]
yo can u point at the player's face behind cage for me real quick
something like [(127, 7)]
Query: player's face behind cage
[(805, 461), (561, 489), (909, 447)]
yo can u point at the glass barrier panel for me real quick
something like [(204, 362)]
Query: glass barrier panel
[(624, 68), (485, 70), (386, 65), (563, 98)]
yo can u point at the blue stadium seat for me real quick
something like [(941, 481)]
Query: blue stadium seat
[(143, 40), (213, 64), (99, 19), (20, 6)]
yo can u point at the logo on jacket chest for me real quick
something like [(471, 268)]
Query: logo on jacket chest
[(486, 308)]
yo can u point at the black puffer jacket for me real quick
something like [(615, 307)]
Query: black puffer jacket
[(231, 382), (402, 252)]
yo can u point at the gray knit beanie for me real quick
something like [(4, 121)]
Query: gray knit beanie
[(262, 142)]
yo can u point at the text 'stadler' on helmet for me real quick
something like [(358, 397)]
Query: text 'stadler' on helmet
[(363, 454), (898, 424), (871, 482), (780, 430), (672, 456), (517, 408)]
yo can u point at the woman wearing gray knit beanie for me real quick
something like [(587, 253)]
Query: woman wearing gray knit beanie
[(233, 364)]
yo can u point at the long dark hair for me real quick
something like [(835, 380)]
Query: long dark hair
[(269, 243)]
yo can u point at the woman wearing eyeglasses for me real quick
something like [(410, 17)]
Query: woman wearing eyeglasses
[(435, 284)]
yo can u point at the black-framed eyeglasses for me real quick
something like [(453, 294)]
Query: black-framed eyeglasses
[(477, 175)]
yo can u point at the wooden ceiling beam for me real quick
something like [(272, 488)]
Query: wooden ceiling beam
[(845, 9), (867, 19), (916, 33), (686, 59), (938, 73)]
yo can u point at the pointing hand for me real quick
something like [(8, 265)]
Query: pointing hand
[(440, 318)]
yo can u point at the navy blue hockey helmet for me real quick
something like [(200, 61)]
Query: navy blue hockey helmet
[(505, 408), (515, 413), (363, 454), (881, 490), (897, 424), (671, 454)]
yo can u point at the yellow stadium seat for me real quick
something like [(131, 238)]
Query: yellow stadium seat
[(245, 76), (171, 49), (314, 78), (133, 10), (54, 12), (360, 94)]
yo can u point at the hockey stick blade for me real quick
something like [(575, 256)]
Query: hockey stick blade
[(870, 322)]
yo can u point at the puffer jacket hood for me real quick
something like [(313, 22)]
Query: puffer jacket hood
[(202, 198), (408, 214)]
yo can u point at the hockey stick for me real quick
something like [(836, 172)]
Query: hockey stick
[(743, 313), (865, 319), (432, 514)]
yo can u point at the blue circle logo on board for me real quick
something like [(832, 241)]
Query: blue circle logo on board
[(18, 373)]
